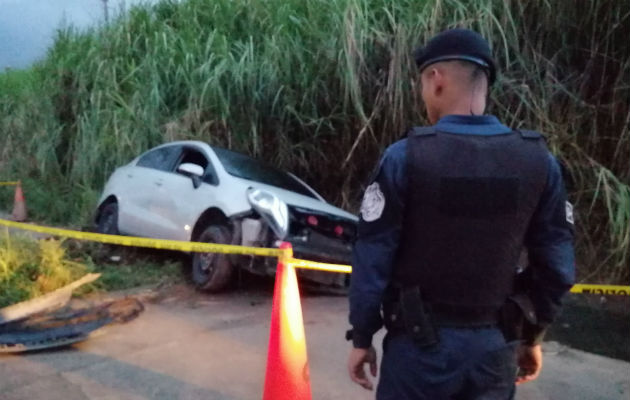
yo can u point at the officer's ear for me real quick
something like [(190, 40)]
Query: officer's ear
[(433, 78)]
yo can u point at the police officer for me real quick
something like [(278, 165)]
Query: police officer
[(442, 225)]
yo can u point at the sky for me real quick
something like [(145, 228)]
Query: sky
[(27, 26)]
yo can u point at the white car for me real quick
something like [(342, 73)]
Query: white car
[(191, 191)]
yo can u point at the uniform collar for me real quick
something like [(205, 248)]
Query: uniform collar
[(471, 125)]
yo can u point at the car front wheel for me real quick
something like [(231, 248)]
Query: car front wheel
[(108, 219), (212, 271)]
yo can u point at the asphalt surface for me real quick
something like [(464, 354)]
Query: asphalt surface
[(188, 345)]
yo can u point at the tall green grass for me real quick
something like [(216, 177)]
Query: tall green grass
[(320, 87)]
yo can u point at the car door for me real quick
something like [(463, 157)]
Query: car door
[(179, 202), (139, 214)]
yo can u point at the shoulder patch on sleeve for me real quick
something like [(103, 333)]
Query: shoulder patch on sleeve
[(568, 209), (373, 203)]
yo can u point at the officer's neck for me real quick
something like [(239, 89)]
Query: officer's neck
[(475, 106)]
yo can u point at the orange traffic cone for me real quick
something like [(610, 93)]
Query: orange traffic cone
[(287, 375), (19, 206)]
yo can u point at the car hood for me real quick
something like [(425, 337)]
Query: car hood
[(299, 200)]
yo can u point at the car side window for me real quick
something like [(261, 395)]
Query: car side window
[(161, 159), (195, 156)]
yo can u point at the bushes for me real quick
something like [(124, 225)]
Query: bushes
[(320, 88), (30, 268)]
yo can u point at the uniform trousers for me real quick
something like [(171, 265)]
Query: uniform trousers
[(467, 364)]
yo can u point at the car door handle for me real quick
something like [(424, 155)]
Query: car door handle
[(158, 183), (129, 175)]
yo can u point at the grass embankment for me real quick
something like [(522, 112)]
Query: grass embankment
[(30, 268), (320, 88)]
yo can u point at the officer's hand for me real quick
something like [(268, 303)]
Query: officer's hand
[(357, 358), (530, 360)]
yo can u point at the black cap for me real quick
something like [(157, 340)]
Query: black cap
[(457, 44)]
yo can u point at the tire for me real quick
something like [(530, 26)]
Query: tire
[(212, 271), (108, 219)]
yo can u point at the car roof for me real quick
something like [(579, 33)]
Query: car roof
[(181, 143)]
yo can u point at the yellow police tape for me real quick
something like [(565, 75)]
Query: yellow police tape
[(577, 288), (162, 244), (305, 264), (10, 183), (165, 244), (601, 289)]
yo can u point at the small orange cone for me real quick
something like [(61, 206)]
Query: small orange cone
[(287, 376), (19, 205)]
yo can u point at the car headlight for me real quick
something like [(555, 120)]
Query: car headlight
[(273, 210)]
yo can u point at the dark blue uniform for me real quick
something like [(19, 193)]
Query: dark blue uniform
[(466, 359)]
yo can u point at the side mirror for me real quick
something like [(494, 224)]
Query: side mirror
[(194, 171), (190, 169)]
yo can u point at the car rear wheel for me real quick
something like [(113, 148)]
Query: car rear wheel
[(212, 271), (108, 219)]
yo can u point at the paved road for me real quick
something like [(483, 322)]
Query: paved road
[(193, 346)]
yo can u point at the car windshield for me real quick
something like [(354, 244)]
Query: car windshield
[(245, 167)]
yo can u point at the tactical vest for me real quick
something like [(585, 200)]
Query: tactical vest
[(470, 199)]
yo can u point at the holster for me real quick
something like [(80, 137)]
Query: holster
[(409, 315), (516, 313)]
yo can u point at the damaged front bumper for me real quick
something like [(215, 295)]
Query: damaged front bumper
[(322, 249), (310, 245)]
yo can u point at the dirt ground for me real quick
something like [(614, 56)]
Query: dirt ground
[(188, 345)]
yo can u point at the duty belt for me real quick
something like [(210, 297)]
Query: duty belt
[(445, 315), (410, 310)]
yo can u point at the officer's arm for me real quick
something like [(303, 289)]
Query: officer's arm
[(376, 245), (549, 242)]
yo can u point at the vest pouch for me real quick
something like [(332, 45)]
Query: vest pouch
[(418, 324)]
